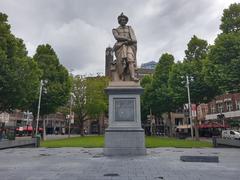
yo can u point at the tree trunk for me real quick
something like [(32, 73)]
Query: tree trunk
[(196, 123), (44, 129), (34, 123), (170, 124), (81, 127), (99, 126), (196, 129)]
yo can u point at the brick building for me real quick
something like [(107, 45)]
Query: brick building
[(225, 109)]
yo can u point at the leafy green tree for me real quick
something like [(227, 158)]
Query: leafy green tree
[(95, 96), (146, 83), (161, 100), (197, 49), (176, 83), (80, 107), (222, 65), (192, 66), (231, 19), (19, 74), (90, 99), (57, 86), (225, 55), (156, 97)]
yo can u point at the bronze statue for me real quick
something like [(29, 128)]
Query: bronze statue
[(125, 51)]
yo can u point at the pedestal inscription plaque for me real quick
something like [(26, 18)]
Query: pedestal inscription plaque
[(124, 109)]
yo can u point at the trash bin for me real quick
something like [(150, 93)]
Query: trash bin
[(38, 139)]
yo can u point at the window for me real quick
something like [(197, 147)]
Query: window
[(229, 106), (237, 104), (178, 121), (231, 132), (220, 107), (212, 108)]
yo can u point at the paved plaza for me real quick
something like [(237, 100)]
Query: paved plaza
[(90, 164)]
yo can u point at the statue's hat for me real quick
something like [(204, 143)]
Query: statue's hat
[(122, 16)]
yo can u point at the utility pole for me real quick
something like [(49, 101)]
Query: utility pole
[(70, 114), (39, 102), (189, 106), (151, 128)]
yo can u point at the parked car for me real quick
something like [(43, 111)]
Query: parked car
[(230, 134)]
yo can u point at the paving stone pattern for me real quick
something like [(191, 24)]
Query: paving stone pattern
[(90, 164)]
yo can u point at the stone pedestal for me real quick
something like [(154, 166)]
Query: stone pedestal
[(124, 136)]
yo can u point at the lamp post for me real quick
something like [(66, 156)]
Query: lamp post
[(189, 106), (39, 103), (70, 113)]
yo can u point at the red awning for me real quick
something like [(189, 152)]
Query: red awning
[(27, 128), (212, 125)]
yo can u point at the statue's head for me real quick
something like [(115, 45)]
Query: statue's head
[(122, 19)]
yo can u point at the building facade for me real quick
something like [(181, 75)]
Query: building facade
[(108, 61), (149, 65), (225, 109), (202, 111)]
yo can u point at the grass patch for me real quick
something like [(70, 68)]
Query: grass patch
[(98, 142), (154, 142), (86, 142)]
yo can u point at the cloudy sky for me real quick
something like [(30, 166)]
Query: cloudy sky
[(80, 30)]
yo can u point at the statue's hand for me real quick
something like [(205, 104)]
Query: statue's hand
[(130, 42)]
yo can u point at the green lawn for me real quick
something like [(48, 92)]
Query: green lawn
[(98, 142)]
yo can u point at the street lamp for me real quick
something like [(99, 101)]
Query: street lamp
[(189, 103), (42, 82), (70, 113)]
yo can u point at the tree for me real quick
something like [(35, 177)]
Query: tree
[(90, 100), (146, 83), (192, 66), (231, 19), (177, 84), (19, 74), (157, 94), (225, 55), (197, 49), (97, 102), (57, 86), (221, 68), (161, 98)]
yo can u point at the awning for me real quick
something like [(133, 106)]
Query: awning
[(212, 125), (186, 126), (27, 128)]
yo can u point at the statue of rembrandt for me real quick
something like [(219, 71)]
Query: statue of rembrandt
[(125, 50)]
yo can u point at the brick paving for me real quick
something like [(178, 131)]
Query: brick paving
[(90, 164)]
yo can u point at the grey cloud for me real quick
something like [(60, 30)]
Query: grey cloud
[(79, 31)]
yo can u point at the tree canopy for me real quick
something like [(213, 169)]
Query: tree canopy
[(197, 49), (19, 74), (90, 100), (231, 19), (224, 55), (57, 83)]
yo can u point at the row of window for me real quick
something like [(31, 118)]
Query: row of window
[(226, 106)]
